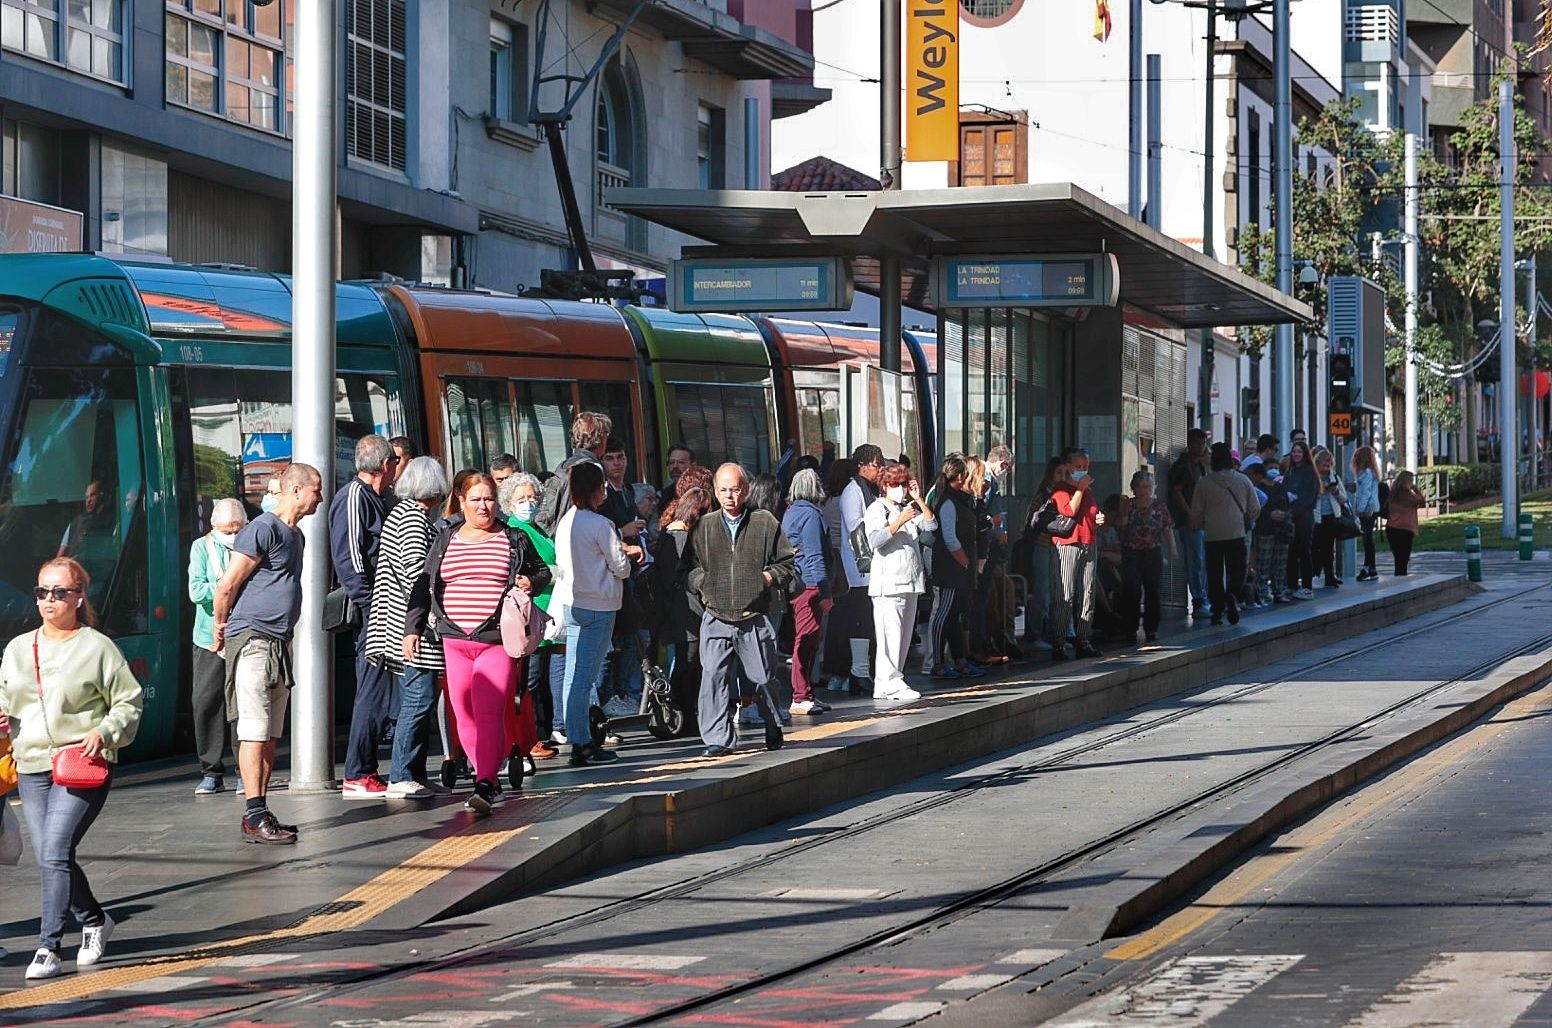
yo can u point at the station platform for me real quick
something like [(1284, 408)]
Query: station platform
[(191, 898)]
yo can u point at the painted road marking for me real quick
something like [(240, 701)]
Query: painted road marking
[(524, 991), (1483, 990), (906, 1011), (626, 962), (975, 982), (352, 910), (1184, 992), (255, 959), (438, 1019), (1326, 826), (1033, 957), (161, 983)]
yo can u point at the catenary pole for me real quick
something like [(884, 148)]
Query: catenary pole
[(1135, 111), (1204, 385), (1282, 200), (1508, 426), (889, 116), (1409, 425), (313, 239)]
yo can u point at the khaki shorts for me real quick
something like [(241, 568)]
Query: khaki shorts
[(261, 703)]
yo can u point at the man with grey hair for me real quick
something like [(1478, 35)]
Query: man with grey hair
[(208, 560), (355, 527), (742, 564)]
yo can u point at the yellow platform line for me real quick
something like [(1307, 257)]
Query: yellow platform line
[(1318, 833), (352, 910)]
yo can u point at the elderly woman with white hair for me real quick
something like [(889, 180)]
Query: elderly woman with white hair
[(401, 559), (208, 558)]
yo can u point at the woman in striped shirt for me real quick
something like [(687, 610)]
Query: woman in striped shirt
[(401, 560), (469, 568)]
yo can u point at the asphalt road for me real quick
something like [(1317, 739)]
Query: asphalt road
[(1422, 899)]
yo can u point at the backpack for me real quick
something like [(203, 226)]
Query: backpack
[(1384, 511)]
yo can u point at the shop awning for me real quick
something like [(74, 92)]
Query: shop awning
[(1157, 273)]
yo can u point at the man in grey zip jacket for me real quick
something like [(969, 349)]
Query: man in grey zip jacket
[(743, 562)]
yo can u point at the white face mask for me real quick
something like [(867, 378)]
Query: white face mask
[(896, 493), (269, 503), (524, 510), (224, 539)]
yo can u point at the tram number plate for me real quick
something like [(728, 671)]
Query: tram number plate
[(1341, 423)]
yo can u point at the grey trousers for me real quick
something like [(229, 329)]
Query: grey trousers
[(1075, 598), (726, 648)]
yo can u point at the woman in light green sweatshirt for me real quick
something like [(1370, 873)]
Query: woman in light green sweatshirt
[(65, 684)]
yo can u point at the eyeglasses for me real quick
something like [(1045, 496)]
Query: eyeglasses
[(59, 592)]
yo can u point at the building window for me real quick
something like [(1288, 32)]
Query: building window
[(227, 57), (993, 149), (83, 35), (1253, 169), (711, 146), (989, 12), (508, 71), (377, 104)]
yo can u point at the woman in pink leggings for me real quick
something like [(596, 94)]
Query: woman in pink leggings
[(469, 569)]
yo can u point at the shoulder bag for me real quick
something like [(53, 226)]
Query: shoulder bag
[(1345, 525), (523, 621), (1051, 521), (861, 549), (73, 769)]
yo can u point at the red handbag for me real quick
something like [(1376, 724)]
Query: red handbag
[(72, 768)]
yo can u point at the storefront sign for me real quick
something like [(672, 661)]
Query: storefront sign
[(932, 80), (27, 227), (1056, 280), (703, 286)]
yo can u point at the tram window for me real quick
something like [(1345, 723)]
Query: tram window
[(613, 399), (543, 425), (479, 421), (10, 322), (75, 487), (819, 418), (724, 423)]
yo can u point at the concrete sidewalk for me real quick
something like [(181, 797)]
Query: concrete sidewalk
[(173, 872)]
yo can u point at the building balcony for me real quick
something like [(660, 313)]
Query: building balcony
[(711, 35), (1441, 12)]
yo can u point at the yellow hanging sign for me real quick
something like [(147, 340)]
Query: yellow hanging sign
[(932, 80)]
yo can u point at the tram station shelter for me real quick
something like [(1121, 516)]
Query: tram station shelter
[(1061, 320)]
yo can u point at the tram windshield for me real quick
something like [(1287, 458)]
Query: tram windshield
[(72, 485)]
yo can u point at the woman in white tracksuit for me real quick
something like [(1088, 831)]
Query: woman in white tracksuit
[(896, 523)]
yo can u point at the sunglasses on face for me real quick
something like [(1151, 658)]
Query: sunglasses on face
[(59, 592)]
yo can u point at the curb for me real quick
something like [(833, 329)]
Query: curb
[(600, 830), (1180, 858)]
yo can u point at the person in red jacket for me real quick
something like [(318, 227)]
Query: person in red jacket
[(1076, 555)]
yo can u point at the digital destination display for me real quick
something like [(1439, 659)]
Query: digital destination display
[(1058, 280), (700, 286)]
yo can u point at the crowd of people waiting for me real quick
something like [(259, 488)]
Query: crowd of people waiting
[(843, 564)]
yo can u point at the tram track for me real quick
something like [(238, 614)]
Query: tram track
[(972, 901)]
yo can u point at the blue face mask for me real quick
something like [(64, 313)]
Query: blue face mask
[(1078, 476), (524, 510)]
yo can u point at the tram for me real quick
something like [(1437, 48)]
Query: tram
[(133, 395)]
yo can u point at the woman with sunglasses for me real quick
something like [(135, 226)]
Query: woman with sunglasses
[(62, 685)]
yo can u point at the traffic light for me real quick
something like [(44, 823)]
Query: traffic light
[(1340, 398), (1250, 404)]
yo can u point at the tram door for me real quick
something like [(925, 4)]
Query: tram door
[(876, 408)]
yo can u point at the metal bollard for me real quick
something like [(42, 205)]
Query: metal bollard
[(1527, 534), (1474, 553)]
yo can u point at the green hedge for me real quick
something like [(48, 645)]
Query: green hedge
[(1466, 480)]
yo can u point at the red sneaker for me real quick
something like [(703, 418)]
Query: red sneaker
[(369, 788)]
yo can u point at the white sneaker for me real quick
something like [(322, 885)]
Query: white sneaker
[(408, 790), (619, 706), (93, 942), (900, 695), (45, 964), (804, 708), (558, 737)]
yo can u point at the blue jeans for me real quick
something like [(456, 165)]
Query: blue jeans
[(417, 694), (558, 686), (371, 711), (1193, 551), (57, 820), (588, 634)]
